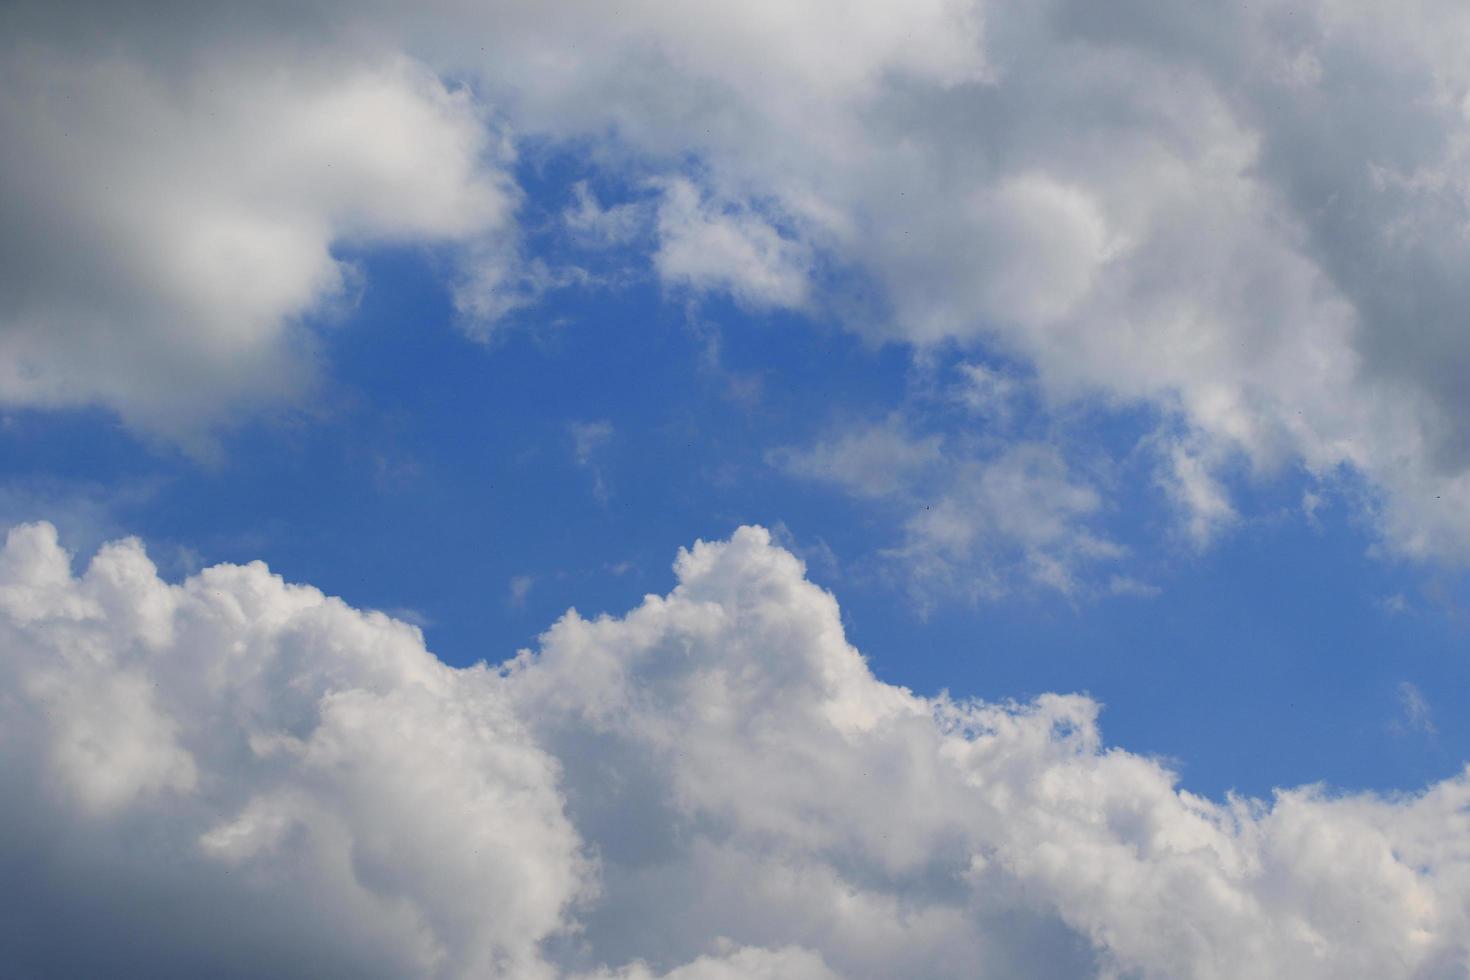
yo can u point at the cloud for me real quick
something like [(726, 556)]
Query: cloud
[(1189, 480), (169, 233), (986, 392), (977, 521), (743, 963), (588, 441), (1019, 514), (598, 226), (877, 461), (588, 438), (708, 246), (236, 776), (1203, 216), (240, 777), (1417, 715), (520, 588), (1395, 605), (1125, 585)]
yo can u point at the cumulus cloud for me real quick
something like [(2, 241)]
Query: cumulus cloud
[(176, 185), (236, 776), (168, 232)]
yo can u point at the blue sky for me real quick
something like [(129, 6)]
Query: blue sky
[(1111, 360)]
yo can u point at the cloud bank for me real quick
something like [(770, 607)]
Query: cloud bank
[(1250, 221), (237, 776)]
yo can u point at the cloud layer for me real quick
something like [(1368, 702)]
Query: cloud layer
[(238, 776), (1252, 223)]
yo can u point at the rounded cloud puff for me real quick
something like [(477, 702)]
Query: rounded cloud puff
[(179, 226), (237, 776)]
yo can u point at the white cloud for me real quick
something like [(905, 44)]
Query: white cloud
[(743, 963), (1019, 515), (1417, 715), (1189, 481), (879, 460), (595, 225), (588, 440), (1202, 215), (977, 522), (237, 776), (714, 785), (520, 588), (987, 392), (705, 245), (768, 788), (1126, 585), (168, 231), (1395, 605)]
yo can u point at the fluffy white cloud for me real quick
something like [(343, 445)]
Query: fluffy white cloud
[(176, 182), (235, 776), (168, 231)]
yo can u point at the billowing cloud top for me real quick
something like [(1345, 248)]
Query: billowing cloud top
[(237, 776)]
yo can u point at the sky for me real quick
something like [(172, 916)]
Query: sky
[(734, 491)]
